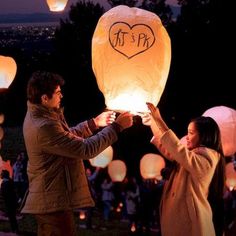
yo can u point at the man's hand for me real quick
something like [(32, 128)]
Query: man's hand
[(125, 120), (105, 118)]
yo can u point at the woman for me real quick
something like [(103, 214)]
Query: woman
[(197, 181)]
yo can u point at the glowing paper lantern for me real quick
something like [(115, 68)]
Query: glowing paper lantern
[(1, 118), (82, 215), (1, 133), (7, 71), (131, 54), (230, 173), (133, 227), (57, 5), (118, 209), (103, 159), (151, 165), (225, 117), (117, 170)]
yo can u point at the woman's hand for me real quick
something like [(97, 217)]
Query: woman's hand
[(148, 120), (154, 111), (160, 126)]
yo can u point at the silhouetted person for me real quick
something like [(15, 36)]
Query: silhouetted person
[(10, 199)]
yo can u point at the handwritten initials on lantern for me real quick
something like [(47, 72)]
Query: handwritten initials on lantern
[(131, 40)]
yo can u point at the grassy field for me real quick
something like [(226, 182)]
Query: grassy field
[(27, 227), (114, 227)]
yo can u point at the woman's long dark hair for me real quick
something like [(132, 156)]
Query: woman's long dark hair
[(210, 137)]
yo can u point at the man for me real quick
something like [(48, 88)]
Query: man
[(57, 179)]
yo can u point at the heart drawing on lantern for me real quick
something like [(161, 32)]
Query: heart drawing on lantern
[(131, 40)]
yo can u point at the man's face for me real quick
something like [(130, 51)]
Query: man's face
[(55, 101)]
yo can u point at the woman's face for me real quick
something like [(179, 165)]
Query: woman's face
[(192, 136)]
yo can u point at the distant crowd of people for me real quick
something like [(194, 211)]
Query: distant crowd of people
[(137, 200)]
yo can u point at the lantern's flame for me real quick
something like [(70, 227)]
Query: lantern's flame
[(133, 102)]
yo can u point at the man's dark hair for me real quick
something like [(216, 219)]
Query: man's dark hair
[(42, 82)]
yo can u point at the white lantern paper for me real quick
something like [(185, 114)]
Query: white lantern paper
[(225, 117), (57, 5), (7, 71), (103, 159), (117, 170), (151, 165), (131, 54), (230, 173)]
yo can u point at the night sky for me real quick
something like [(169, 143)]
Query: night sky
[(33, 6)]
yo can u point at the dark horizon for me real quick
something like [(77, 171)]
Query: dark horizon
[(32, 18)]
